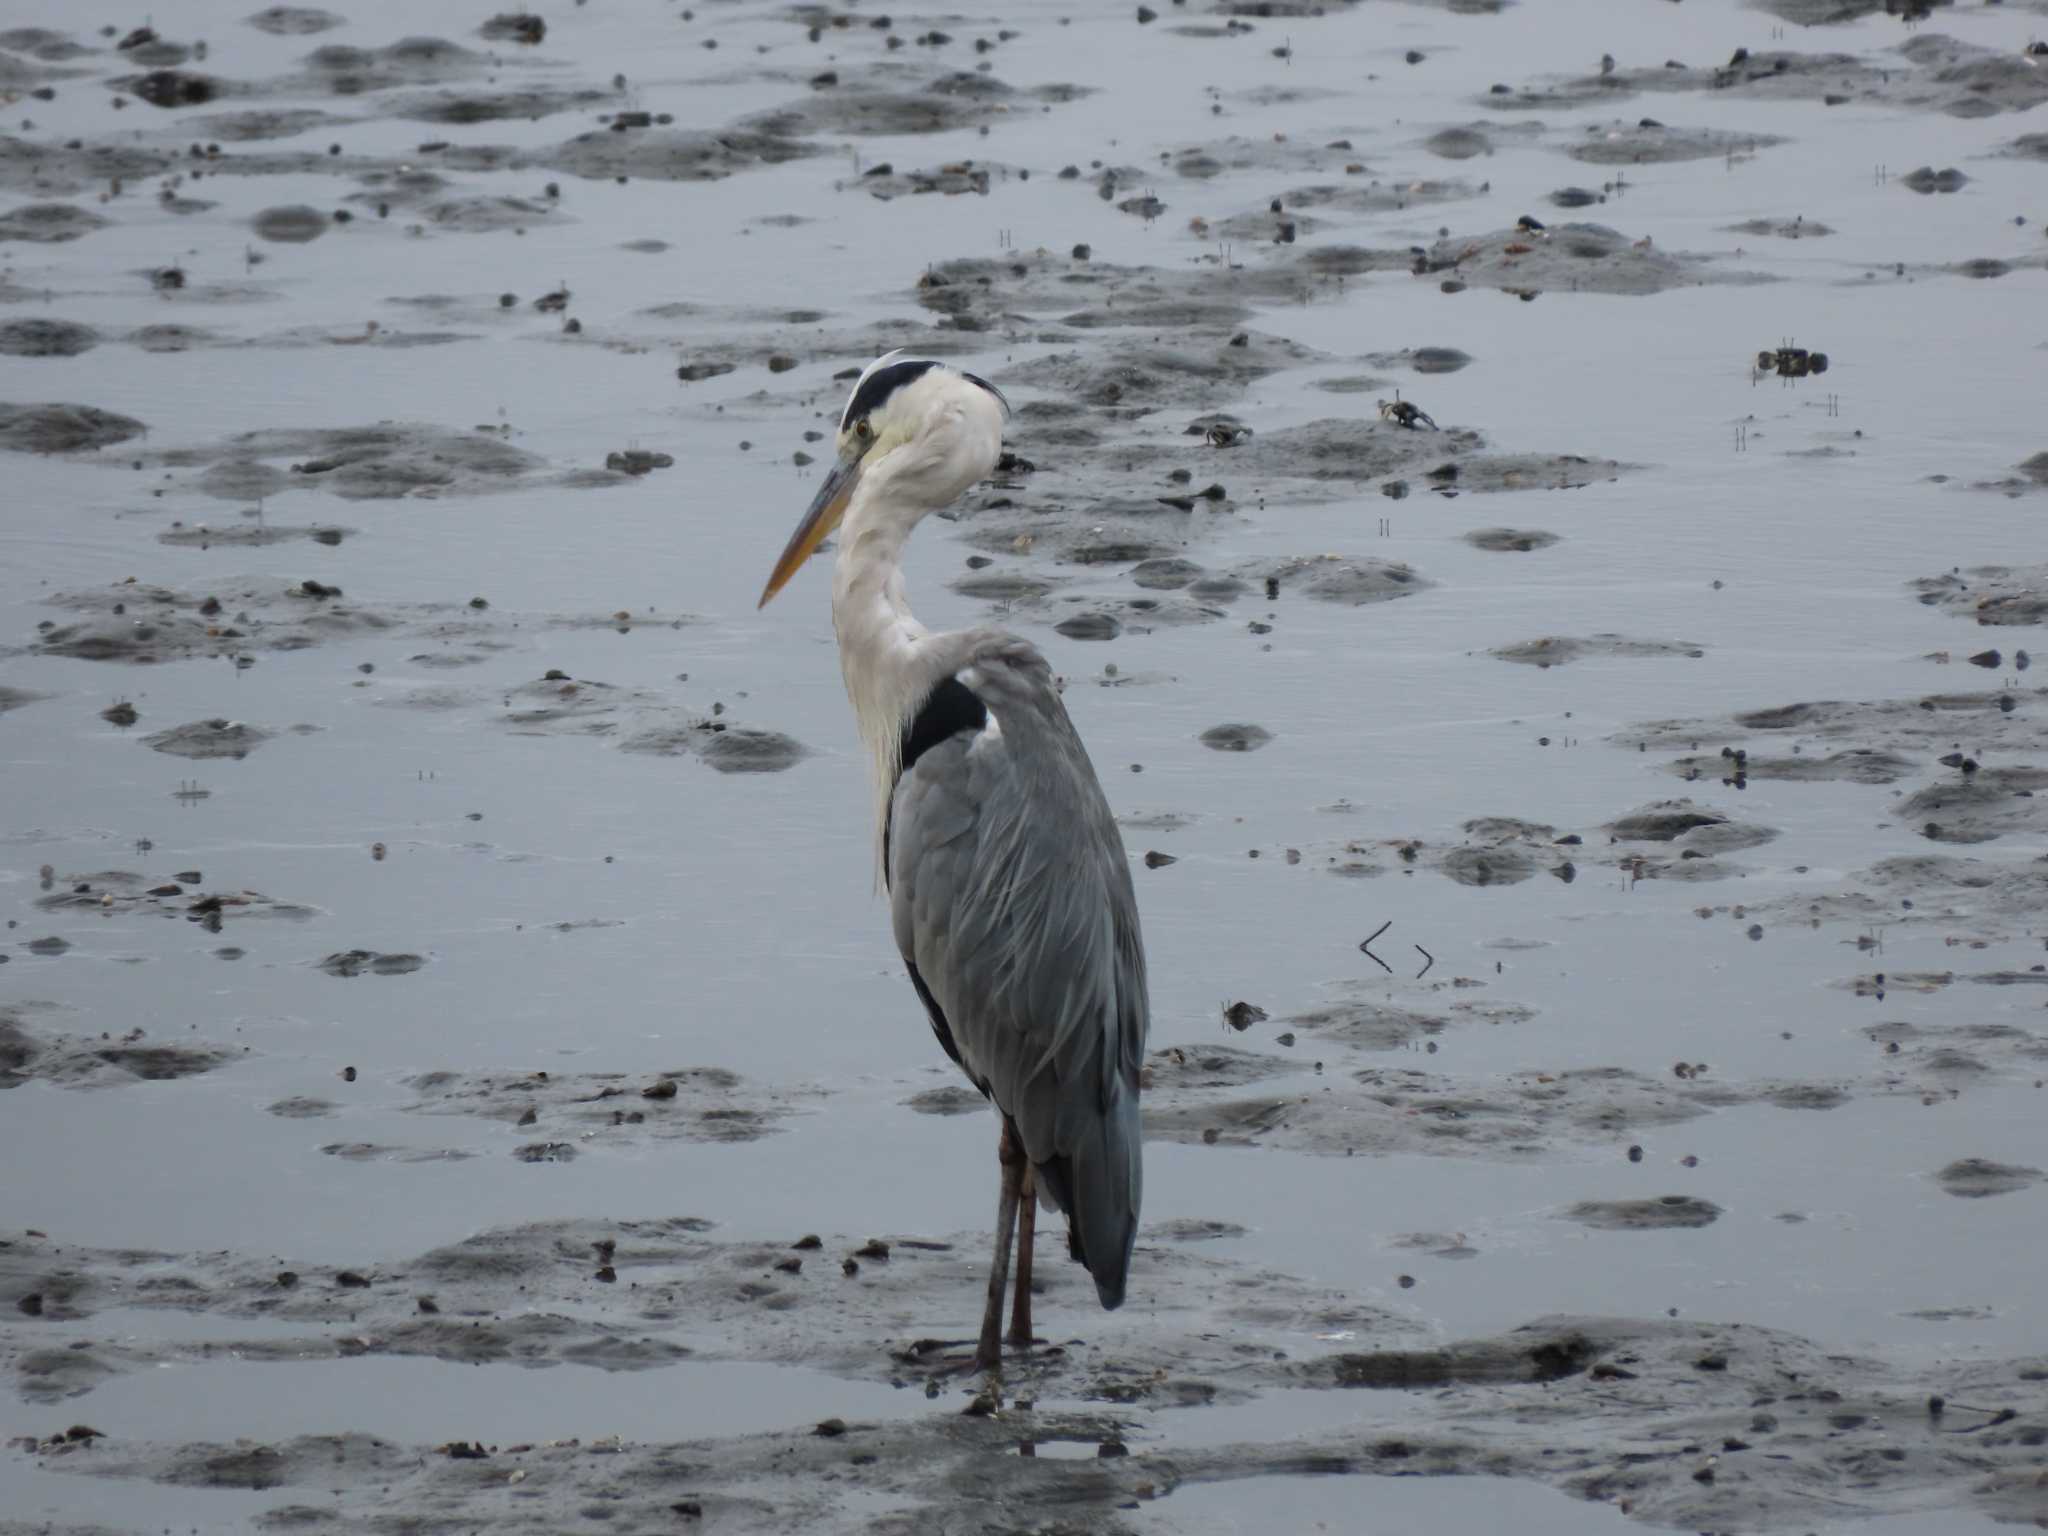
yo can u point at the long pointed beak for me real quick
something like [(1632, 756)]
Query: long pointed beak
[(827, 508)]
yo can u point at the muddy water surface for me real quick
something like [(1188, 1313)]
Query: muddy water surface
[(442, 988)]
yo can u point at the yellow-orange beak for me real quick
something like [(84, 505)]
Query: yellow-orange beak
[(827, 508)]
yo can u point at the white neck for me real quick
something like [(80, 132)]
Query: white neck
[(942, 435), (879, 638)]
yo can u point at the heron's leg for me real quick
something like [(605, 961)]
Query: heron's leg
[(988, 1354), (1027, 1231)]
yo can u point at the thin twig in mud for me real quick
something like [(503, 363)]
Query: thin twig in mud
[(2002, 1416), (1365, 948), (1426, 955)]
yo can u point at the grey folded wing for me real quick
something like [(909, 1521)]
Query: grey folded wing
[(1014, 908)]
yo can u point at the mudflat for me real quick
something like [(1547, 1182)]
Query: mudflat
[(454, 1072)]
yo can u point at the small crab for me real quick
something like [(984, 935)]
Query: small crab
[(1403, 413)]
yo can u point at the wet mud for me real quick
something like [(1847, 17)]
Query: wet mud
[(32, 1050), (1576, 258), (63, 428), (1558, 650), (1931, 72), (1616, 1073), (1658, 1403), (1991, 594)]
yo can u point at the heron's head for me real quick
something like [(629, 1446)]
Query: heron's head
[(929, 430)]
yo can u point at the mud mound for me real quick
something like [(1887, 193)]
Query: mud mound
[(527, 105), (1652, 143), (1643, 1215), (672, 154), (1510, 540), (207, 739), (294, 20), (63, 428), (1855, 765), (1132, 381), (1991, 719), (1579, 258), (346, 71), (598, 1109), (46, 338), (1980, 806), (381, 462), (1976, 1178), (48, 223), (97, 1061), (1560, 650), (135, 623), (943, 104), (257, 123), (1333, 578), (1993, 594), (292, 225)]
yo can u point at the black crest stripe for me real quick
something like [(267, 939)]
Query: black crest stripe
[(1001, 398), (879, 386)]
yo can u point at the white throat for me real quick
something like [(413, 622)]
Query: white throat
[(941, 434)]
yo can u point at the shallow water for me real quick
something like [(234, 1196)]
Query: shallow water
[(586, 910)]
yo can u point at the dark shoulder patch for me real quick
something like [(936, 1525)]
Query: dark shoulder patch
[(938, 1017), (975, 378), (879, 386), (948, 709)]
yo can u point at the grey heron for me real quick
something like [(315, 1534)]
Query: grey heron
[(1008, 885)]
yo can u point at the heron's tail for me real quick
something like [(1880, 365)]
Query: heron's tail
[(1100, 1186)]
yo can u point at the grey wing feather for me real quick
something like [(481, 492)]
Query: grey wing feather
[(1013, 902)]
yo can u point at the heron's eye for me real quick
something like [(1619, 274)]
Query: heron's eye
[(862, 430)]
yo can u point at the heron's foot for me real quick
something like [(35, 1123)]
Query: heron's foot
[(941, 1354), (946, 1359)]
